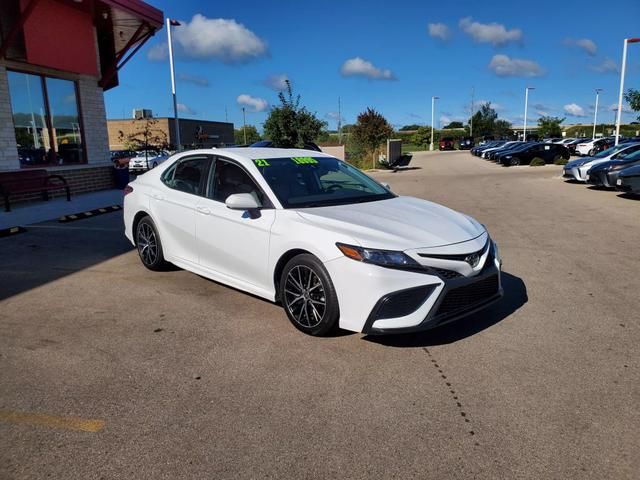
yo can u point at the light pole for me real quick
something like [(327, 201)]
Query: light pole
[(526, 106), (175, 23), (595, 114), (433, 107), (624, 66), (244, 125)]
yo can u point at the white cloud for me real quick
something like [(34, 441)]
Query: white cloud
[(504, 66), (195, 79), (614, 108), (253, 103), (606, 66), (182, 108), (277, 82), (493, 33), (444, 120), (206, 38), (588, 46), (332, 116), (439, 31), (362, 68), (574, 110)]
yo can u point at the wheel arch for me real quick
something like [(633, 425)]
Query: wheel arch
[(136, 220), (282, 261)]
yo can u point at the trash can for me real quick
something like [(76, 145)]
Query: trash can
[(121, 175)]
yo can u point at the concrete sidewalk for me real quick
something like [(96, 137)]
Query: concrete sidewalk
[(40, 211)]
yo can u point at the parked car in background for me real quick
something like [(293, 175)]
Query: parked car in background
[(507, 147), (591, 147), (485, 153), (574, 143), (146, 160), (629, 180), (333, 246), (447, 143), (606, 174), (549, 152), (482, 147), (577, 169), (465, 143), (499, 155)]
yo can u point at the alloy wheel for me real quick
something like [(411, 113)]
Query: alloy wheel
[(147, 244), (305, 297)]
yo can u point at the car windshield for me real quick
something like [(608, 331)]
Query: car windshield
[(302, 182)]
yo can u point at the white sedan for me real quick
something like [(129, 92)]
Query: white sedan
[(299, 227), (146, 160), (577, 169)]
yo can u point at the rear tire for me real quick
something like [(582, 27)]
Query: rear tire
[(308, 296), (149, 246)]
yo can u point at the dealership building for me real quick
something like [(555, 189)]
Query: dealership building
[(193, 133), (57, 57)]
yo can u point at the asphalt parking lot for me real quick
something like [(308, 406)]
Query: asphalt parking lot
[(108, 370)]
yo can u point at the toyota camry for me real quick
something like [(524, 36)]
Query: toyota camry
[(334, 247)]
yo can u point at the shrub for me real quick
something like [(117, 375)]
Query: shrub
[(537, 162), (560, 161)]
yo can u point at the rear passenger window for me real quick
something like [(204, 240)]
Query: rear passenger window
[(188, 174)]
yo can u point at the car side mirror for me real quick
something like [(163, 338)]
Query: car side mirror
[(242, 201)]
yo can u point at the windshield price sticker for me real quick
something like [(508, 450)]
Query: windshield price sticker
[(304, 160), (261, 163)]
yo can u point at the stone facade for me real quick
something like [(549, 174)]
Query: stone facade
[(8, 149), (94, 121)]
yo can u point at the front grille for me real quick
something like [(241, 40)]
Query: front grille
[(454, 257), (463, 298), (446, 274)]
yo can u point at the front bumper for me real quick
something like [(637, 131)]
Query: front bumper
[(628, 184), (378, 300)]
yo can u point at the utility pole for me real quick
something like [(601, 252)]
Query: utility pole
[(433, 107), (171, 22), (526, 105), (339, 123), (622, 71), (226, 116), (471, 120), (244, 125), (595, 114)]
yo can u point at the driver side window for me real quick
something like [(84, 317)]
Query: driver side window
[(228, 179)]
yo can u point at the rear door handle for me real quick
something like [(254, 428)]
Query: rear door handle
[(203, 210)]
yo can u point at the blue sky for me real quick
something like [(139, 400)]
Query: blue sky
[(392, 56)]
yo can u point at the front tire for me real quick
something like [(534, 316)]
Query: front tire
[(514, 162), (149, 246), (308, 296)]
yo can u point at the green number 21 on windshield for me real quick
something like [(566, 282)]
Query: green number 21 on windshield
[(261, 163)]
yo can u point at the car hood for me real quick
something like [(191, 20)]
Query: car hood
[(612, 163), (399, 223)]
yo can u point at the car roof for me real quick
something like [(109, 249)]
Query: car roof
[(254, 153)]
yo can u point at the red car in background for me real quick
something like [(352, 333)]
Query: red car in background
[(447, 143)]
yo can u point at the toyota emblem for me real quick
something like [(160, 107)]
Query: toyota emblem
[(472, 259)]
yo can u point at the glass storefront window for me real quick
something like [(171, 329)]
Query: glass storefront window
[(46, 120)]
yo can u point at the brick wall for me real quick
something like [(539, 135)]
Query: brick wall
[(8, 149), (80, 180), (94, 120)]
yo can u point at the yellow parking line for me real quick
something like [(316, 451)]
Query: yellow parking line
[(40, 419)]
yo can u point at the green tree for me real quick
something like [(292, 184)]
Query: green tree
[(550, 126), (252, 135), (290, 125), (484, 120), (422, 137), (411, 127), (145, 137), (502, 128), (371, 130), (454, 125), (633, 97)]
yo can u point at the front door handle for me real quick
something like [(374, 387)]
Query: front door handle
[(203, 210)]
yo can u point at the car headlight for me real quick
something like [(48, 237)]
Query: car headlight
[(508, 156), (384, 258)]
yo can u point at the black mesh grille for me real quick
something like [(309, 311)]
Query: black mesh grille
[(467, 296), (447, 274), (403, 303)]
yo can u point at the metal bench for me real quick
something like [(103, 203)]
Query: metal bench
[(30, 181)]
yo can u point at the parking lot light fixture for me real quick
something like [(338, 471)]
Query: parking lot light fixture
[(433, 107), (526, 106), (622, 70), (595, 113)]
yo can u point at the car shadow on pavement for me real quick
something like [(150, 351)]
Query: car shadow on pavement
[(515, 296), (630, 196)]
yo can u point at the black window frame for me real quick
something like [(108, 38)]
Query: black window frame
[(203, 180), (47, 111)]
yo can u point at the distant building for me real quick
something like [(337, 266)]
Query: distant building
[(57, 57), (193, 133)]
